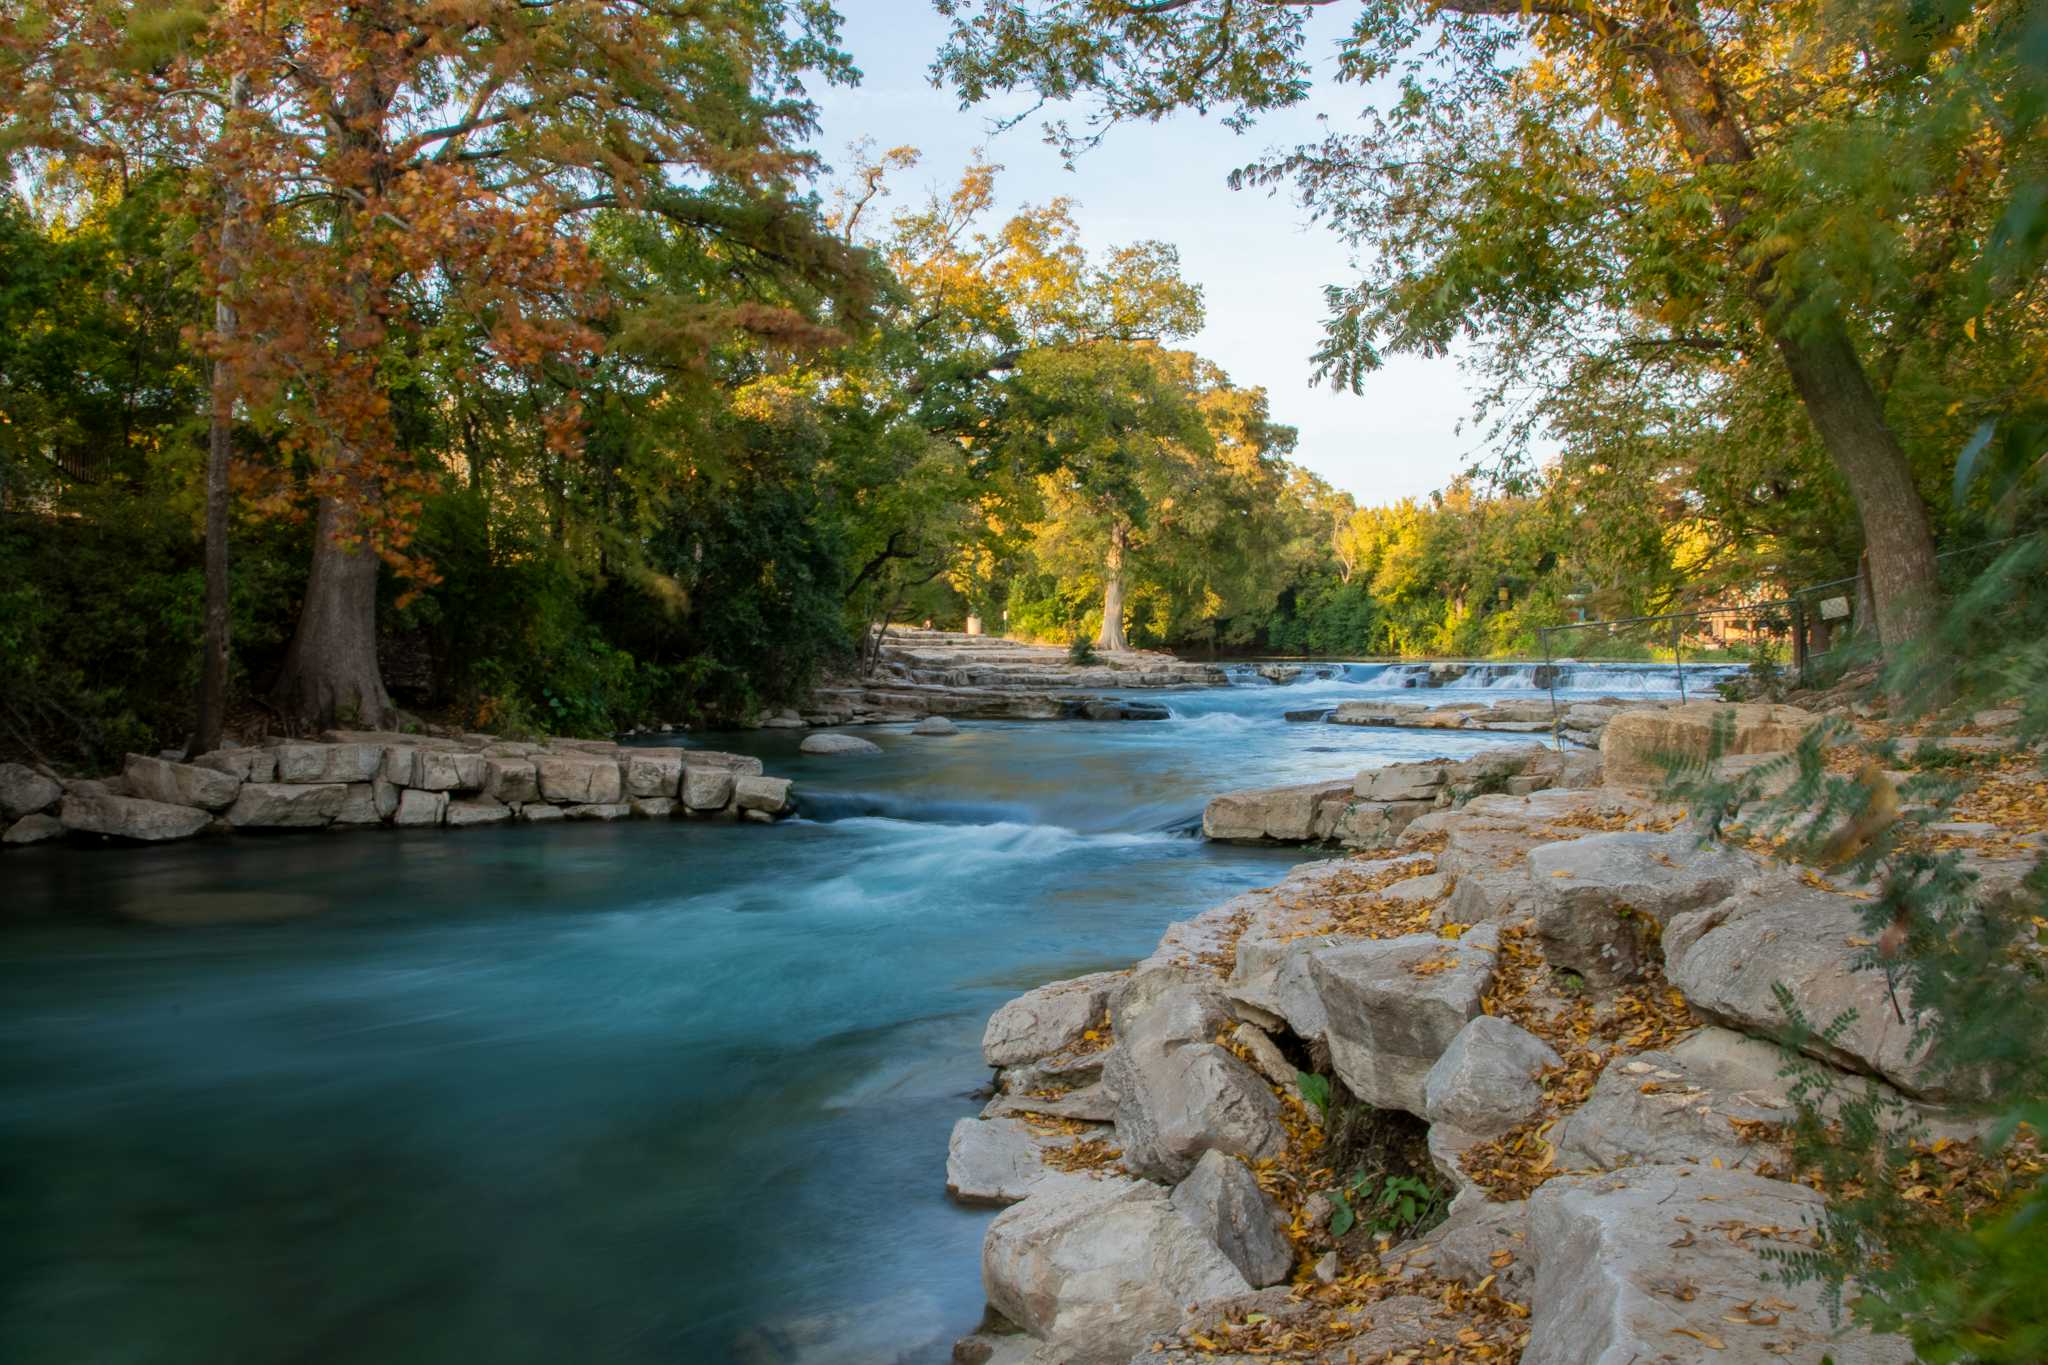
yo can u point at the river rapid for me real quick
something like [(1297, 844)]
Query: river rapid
[(638, 1092)]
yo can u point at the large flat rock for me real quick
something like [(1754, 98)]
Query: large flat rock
[(129, 817), (1101, 1272), (1731, 960), (179, 784), (1002, 1160), (1660, 1263), (1295, 814)]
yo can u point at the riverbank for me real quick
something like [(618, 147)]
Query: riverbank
[(1543, 1019), (366, 779), (924, 673)]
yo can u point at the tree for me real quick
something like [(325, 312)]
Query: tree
[(457, 153), (1533, 137), (918, 406), (1160, 487)]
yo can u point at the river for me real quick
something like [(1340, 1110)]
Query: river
[(642, 1092)]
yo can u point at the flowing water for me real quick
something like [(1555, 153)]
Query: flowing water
[(644, 1092)]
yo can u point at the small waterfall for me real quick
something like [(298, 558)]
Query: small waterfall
[(1568, 675)]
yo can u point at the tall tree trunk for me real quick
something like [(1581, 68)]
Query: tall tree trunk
[(330, 672), (1897, 538), (1111, 636), (1818, 353), (213, 661)]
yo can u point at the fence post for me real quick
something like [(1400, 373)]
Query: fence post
[(1550, 676), (1799, 644), (1678, 655)]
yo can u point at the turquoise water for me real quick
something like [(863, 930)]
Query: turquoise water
[(639, 1092)]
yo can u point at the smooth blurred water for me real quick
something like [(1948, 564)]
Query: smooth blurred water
[(645, 1092)]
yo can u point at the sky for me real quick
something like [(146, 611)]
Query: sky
[(1262, 266)]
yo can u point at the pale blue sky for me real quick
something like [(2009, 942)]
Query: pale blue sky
[(1262, 267)]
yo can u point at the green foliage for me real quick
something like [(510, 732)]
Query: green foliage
[(1389, 1206), (1081, 652), (1315, 1090)]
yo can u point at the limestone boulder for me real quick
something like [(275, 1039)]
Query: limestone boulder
[(767, 795), (1184, 958), (244, 765), (1269, 969), (599, 810), (444, 770), (1046, 1020), (1064, 1073), (540, 813), (653, 807), (1485, 1083), (1283, 815), (328, 763), (130, 817), (1090, 1104), (401, 765), (997, 1161), (739, 765), (1374, 825), (1615, 1251), (287, 805), (384, 797), (359, 805), (179, 784), (1100, 1273), (1481, 1239), (1602, 901), (417, 807), (1222, 1198), (1731, 958), (1395, 1005), (838, 744), (707, 788), (96, 786), (577, 779), (33, 828), (511, 780), (475, 810), (1571, 769), (1376, 712), (1402, 782), (24, 791), (1178, 1097), (933, 726), (1448, 1145), (653, 772), (1267, 1059), (1633, 742), (1714, 1097)]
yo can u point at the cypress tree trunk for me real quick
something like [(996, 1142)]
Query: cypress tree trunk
[(1111, 636), (213, 661), (330, 672)]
